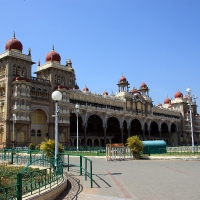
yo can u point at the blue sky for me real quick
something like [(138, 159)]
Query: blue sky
[(151, 41)]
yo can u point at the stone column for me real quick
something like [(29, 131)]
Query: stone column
[(149, 131), (170, 138), (85, 135), (129, 130), (122, 135), (104, 135), (143, 134), (160, 133)]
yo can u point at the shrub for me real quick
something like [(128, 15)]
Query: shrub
[(135, 144), (48, 146), (31, 146)]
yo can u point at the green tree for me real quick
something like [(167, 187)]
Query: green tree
[(135, 144), (48, 146)]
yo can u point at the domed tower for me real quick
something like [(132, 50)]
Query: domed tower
[(85, 89), (144, 90), (56, 73), (15, 73), (123, 85)]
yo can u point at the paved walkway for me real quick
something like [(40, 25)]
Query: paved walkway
[(137, 180)]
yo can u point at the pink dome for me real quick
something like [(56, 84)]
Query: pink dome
[(53, 56), (167, 101), (122, 79), (14, 44), (105, 93), (85, 89), (178, 94), (134, 91), (143, 85)]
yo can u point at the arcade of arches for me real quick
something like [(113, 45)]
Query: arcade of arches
[(99, 132)]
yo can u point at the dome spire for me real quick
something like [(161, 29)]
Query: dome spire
[(14, 34), (52, 47), (29, 51)]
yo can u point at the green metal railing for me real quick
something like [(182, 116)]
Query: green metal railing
[(86, 151), (183, 150), (84, 165), (179, 150), (26, 183)]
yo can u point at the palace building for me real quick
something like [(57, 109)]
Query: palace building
[(27, 107)]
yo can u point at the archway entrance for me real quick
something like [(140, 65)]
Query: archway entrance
[(136, 128), (94, 126), (165, 133), (113, 130), (154, 134), (39, 127), (174, 135)]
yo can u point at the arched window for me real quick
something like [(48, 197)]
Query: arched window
[(59, 79), (14, 70), (45, 95), (33, 93), (39, 94), (18, 71), (23, 71), (22, 102)]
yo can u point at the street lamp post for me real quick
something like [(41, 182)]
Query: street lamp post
[(56, 96), (13, 135), (77, 111), (188, 90)]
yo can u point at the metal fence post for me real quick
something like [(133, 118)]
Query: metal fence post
[(30, 156), (12, 156), (91, 181), (19, 186), (68, 162), (80, 165), (86, 169)]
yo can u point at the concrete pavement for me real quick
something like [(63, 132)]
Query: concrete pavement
[(137, 180)]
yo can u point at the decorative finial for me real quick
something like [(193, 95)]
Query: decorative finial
[(13, 34), (52, 47), (39, 62), (29, 51), (66, 62)]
